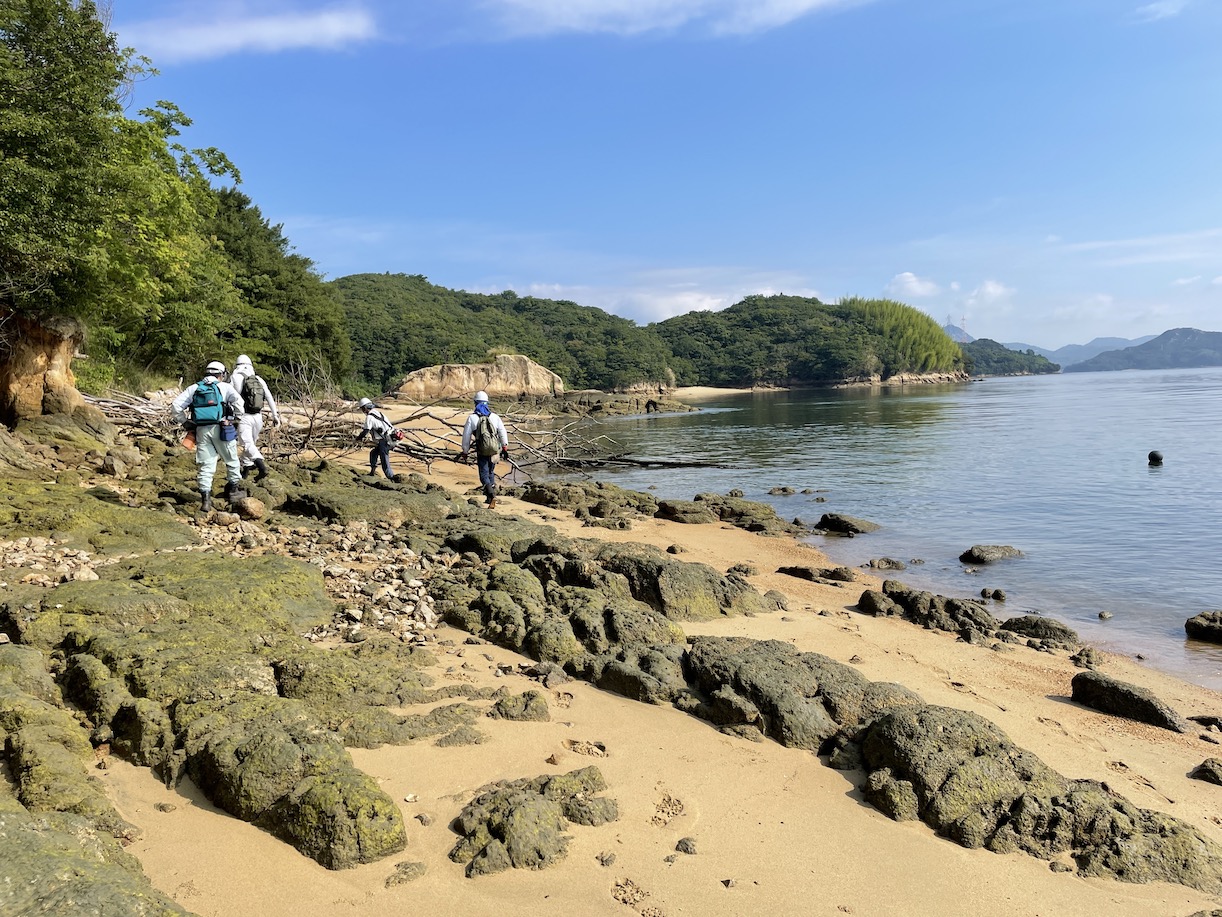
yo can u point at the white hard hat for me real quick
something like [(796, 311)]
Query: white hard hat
[(215, 367), (242, 358), (481, 396), (365, 403)]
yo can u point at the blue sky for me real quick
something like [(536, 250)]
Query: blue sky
[(1043, 171)]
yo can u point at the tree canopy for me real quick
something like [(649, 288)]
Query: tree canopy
[(400, 322), (988, 358)]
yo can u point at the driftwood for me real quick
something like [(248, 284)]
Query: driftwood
[(326, 426)]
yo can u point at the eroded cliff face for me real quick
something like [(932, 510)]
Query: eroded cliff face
[(507, 377), (36, 367)]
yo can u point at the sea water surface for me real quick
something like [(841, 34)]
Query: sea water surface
[(1055, 466)]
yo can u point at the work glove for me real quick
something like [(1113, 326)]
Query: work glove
[(505, 453), (462, 457)]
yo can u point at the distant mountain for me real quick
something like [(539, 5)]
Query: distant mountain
[(958, 335), (1076, 353), (1174, 349)]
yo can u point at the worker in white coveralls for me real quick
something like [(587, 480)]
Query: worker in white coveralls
[(257, 398)]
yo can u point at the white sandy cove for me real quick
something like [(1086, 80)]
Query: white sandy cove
[(776, 831)]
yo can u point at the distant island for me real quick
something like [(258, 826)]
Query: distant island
[(988, 358), (1179, 348)]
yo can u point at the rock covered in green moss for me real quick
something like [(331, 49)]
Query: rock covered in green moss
[(520, 823)]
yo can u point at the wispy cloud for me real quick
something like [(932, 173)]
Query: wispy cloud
[(632, 17), (1205, 244), (1161, 9), (908, 286), (1185, 281), (207, 34)]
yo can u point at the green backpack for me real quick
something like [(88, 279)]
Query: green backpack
[(252, 394), (487, 444)]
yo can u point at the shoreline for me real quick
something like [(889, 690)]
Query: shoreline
[(750, 807)]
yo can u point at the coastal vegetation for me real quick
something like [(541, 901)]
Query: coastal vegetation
[(133, 258), (399, 323), (988, 358)]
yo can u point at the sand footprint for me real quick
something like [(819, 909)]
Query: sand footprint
[(666, 810), (582, 747), (627, 892)]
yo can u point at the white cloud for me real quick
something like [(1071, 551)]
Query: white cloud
[(1217, 281), (990, 291), (1161, 9), (1186, 281), (631, 17), (233, 30), (908, 285)]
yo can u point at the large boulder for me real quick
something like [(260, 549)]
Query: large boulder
[(1110, 695), (988, 553), (520, 823), (962, 775), (508, 377), (1205, 626), (799, 699)]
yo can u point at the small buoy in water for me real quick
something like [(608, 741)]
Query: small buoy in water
[(1156, 458)]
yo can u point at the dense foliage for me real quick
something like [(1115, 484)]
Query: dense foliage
[(783, 340), (114, 223), (111, 222), (289, 314), (988, 358), (398, 323), (1177, 348)]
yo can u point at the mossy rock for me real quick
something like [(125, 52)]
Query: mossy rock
[(80, 519), (269, 761), (247, 593), (679, 590), (59, 864)]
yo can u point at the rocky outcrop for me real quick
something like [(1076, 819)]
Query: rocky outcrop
[(36, 367), (840, 524), (988, 553), (1206, 626), (519, 823), (963, 777), (1109, 695), (506, 377)]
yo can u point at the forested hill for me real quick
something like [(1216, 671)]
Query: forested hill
[(398, 323), (786, 340), (1174, 349), (988, 358)]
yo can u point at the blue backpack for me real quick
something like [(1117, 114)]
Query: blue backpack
[(206, 403)]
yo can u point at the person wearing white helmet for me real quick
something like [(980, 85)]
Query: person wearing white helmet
[(485, 429), (256, 396), (211, 406), (381, 431)]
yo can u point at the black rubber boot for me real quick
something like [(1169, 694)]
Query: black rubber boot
[(205, 501), (233, 491), (246, 470), (263, 472)]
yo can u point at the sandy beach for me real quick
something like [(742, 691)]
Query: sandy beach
[(774, 830)]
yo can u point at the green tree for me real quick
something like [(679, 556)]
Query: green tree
[(289, 315), (59, 74)]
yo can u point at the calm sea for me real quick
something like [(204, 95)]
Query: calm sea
[(1055, 466)]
